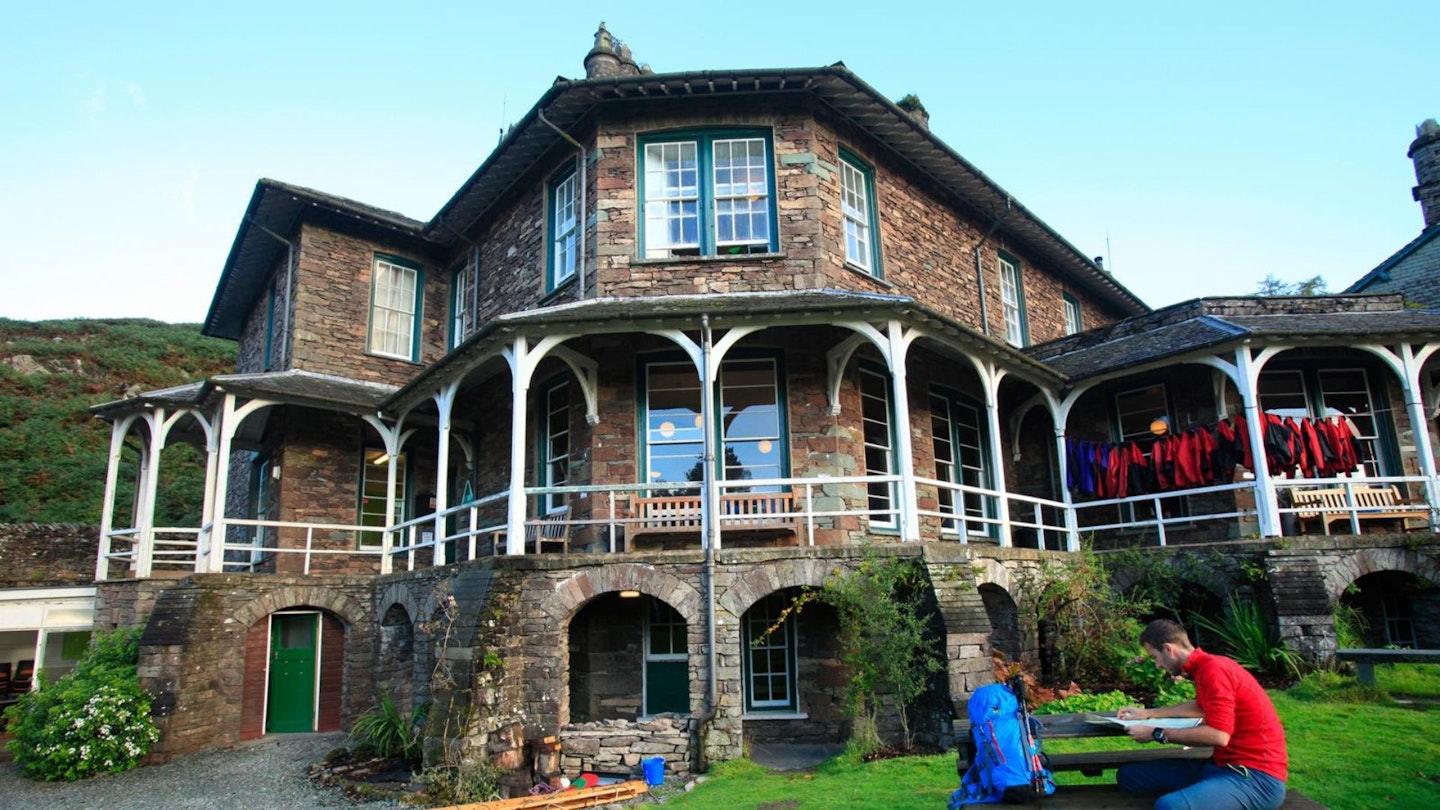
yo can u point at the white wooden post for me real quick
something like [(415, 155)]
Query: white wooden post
[(444, 403), (899, 341), (990, 376), (118, 429), (1248, 379)]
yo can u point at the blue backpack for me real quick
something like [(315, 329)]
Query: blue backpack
[(1008, 765)]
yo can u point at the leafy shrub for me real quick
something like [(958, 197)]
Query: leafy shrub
[(1252, 639), (94, 720), (1350, 626), (463, 784), (388, 732), (1087, 630), (1142, 673), (1101, 702)]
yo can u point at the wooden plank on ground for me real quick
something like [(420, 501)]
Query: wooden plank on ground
[(573, 799)]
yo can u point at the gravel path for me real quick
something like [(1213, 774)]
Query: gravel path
[(268, 774)]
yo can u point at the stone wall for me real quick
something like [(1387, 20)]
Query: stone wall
[(618, 746), (200, 660), (332, 308), (41, 555)]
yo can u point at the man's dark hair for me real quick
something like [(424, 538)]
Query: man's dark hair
[(1164, 631)]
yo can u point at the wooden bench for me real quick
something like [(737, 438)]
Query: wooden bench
[(1366, 659), (1331, 505), (552, 529), (1109, 797), (739, 512)]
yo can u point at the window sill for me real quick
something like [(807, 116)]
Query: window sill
[(860, 271), (565, 286), (394, 359), (723, 259), (781, 715)]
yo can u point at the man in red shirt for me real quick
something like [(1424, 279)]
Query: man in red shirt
[(1249, 767)]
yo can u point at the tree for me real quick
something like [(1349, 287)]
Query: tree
[(1271, 285)]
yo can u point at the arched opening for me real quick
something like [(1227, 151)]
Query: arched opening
[(1005, 636), (395, 662), (793, 681), (294, 667), (1190, 603), (1397, 609), (612, 638)]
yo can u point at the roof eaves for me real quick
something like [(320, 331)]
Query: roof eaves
[(1382, 270)]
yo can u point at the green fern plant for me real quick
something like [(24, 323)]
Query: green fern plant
[(388, 732), (1252, 640)]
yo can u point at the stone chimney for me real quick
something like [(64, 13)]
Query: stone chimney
[(1425, 151), (610, 57)]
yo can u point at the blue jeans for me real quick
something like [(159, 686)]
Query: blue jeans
[(1201, 785)]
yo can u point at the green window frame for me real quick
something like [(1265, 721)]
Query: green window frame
[(370, 509), (878, 432), (857, 209), (1012, 298), (1073, 323), (707, 193), (464, 303), (958, 436), (770, 656), (751, 409), (397, 289), (555, 444), (563, 258)]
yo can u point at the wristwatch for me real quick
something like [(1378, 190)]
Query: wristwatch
[(1158, 735)]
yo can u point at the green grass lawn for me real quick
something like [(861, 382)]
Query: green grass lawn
[(1350, 749)]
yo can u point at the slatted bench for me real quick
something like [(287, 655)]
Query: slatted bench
[(739, 512), (1371, 503), (1366, 659)]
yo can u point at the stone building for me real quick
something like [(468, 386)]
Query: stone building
[(1414, 269), (683, 346)]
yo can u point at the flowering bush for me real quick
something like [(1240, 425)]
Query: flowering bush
[(94, 720)]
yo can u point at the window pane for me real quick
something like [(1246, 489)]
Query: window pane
[(374, 470), (1010, 297), (741, 191), (672, 176), (392, 317), (855, 206), (875, 410)]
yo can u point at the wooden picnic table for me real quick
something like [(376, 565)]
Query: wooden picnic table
[(1094, 763)]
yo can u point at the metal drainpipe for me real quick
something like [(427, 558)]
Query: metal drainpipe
[(710, 530), (583, 191), (289, 282), (980, 269)]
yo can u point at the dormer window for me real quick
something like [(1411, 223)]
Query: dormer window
[(707, 194)]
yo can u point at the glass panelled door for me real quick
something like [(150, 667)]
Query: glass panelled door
[(667, 669), (294, 659)]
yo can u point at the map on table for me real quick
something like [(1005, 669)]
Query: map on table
[(1156, 722)]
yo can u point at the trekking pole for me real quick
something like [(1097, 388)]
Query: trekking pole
[(1027, 736)]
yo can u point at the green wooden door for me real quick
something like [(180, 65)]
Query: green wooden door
[(667, 668), (294, 644)]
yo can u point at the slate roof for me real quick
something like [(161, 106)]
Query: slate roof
[(1381, 273), (725, 310), (294, 387), (1213, 323), (570, 105)]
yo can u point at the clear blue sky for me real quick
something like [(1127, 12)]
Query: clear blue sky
[(1210, 144)]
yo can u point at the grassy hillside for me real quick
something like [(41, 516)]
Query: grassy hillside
[(52, 451)]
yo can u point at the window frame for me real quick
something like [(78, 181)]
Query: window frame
[(780, 443), (554, 189), (464, 314), (552, 502), (888, 522), (772, 604), (866, 173), (1383, 452), (953, 400), (1022, 326), (416, 314), (1074, 321), (402, 495), (707, 239)]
